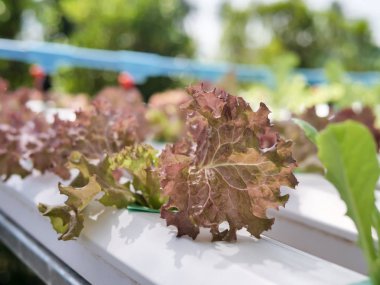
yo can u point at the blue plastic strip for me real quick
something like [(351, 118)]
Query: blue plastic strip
[(51, 56)]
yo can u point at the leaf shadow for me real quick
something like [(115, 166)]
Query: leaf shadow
[(130, 236), (103, 222), (252, 255)]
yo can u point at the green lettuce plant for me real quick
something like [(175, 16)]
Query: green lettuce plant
[(349, 154)]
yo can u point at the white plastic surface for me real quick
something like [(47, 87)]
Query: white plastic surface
[(122, 247), (314, 221)]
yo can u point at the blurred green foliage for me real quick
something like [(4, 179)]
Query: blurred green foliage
[(292, 95), (286, 35), (10, 17), (263, 32), (139, 25), (10, 24)]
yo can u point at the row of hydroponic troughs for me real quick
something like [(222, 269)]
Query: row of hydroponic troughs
[(223, 169)]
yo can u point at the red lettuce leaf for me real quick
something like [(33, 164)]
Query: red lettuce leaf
[(105, 128), (304, 151), (224, 170), (165, 116)]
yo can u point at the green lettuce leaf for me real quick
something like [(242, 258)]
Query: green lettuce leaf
[(114, 193), (304, 150), (310, 132), (140, 161), (348, 152), (68, 219), (124, 179)]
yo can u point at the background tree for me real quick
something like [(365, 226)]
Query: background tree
[(10, 24), (235, 44), (139, 25), (315, 37)]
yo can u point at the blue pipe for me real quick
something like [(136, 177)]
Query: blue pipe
[(52, 56)]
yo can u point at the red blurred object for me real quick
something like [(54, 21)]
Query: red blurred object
[(37, 71), (126, 80), (39, 75)]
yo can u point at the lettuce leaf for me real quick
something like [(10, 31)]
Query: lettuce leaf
[(141, 161), (225, 170), (165, 116), (364, 115), (304, 150), (120, 180), (68, 219), (105, 128), (348, 152)]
